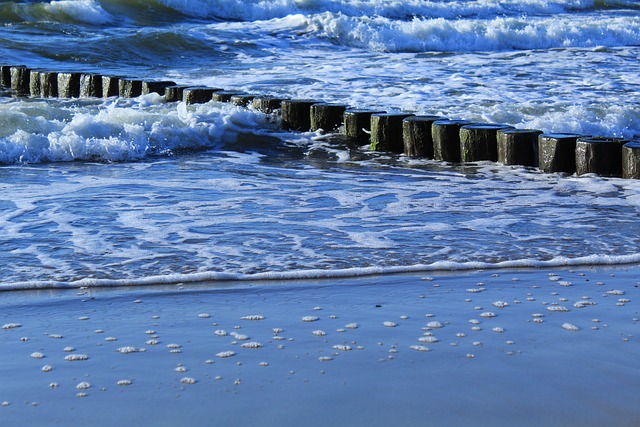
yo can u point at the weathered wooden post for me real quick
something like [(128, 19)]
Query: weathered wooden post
[(90, 86), (446, 139), (34, 83), (599, 155), (110, 86), (518, 146), (631, 160), (20, 77), (557, 152), (386, 132), (357, 124), (328, 117), (129, 88), (417, 137), (479, 142), (296, 114), (224, 95), (198, 94), (241, 99), (68, 85), (266, 104), (49, 84), (5, 76), (159, 87), (174, 93)]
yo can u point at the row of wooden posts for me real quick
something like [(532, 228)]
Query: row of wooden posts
[(433, 137)]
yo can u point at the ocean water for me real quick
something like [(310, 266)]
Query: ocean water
[(141, 191)]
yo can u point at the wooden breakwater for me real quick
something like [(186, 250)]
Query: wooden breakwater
[(432, 137)]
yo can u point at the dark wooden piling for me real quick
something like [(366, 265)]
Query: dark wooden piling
[(557, 152), (518, 146), (224, 95), (327, 117), (49, 84), (69, 85), (386, 132), (296, 114), (129, 88), (479, 142), (241, 100), (446, 139), (34, 83), (90, 85), (357, 124), (266, 104), (110, 86), (631, 160), (174, 93), (198, 94), (155, 86), (20, 79), (417, 137), (5, 76), (599, 155)]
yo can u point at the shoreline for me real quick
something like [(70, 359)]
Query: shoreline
[(463, 348)]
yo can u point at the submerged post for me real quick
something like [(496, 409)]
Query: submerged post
[(130, 88), (91, 86), (20, 80), (68, 85), (557, 152), (328, 117), (357, 124), (479, 142), (446, 139), (110, 86), (266, 104), (599, 155), (518, 146), (386, 132), (159, 87), (296, 114), (34, 83), (49, 84), (417, 137), (174, 93), (198, 95)]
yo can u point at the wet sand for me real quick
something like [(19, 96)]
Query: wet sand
[(528, 347)]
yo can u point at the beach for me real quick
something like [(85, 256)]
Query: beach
[(509, 347)]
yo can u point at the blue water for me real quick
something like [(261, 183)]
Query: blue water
[(135, 191)]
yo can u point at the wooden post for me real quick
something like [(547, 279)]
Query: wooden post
[(479, 142), (159, 87), (386, 132), (90, 86), (631, 160), (599, 155), (296, 114), (357, 124), (68, 85), (328, 117), (34, 83), (20, 80), (224, 95), (129, 88), (266, 104), (5, 76), (110, 86), (198, 95), (174, 93), (49, 84), (446, 139), (416, 134), (241, 100), (518, 146), (557, 152)]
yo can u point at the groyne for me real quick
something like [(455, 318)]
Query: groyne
[(422, 136)]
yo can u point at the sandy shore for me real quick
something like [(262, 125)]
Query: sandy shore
[(528, 348)]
